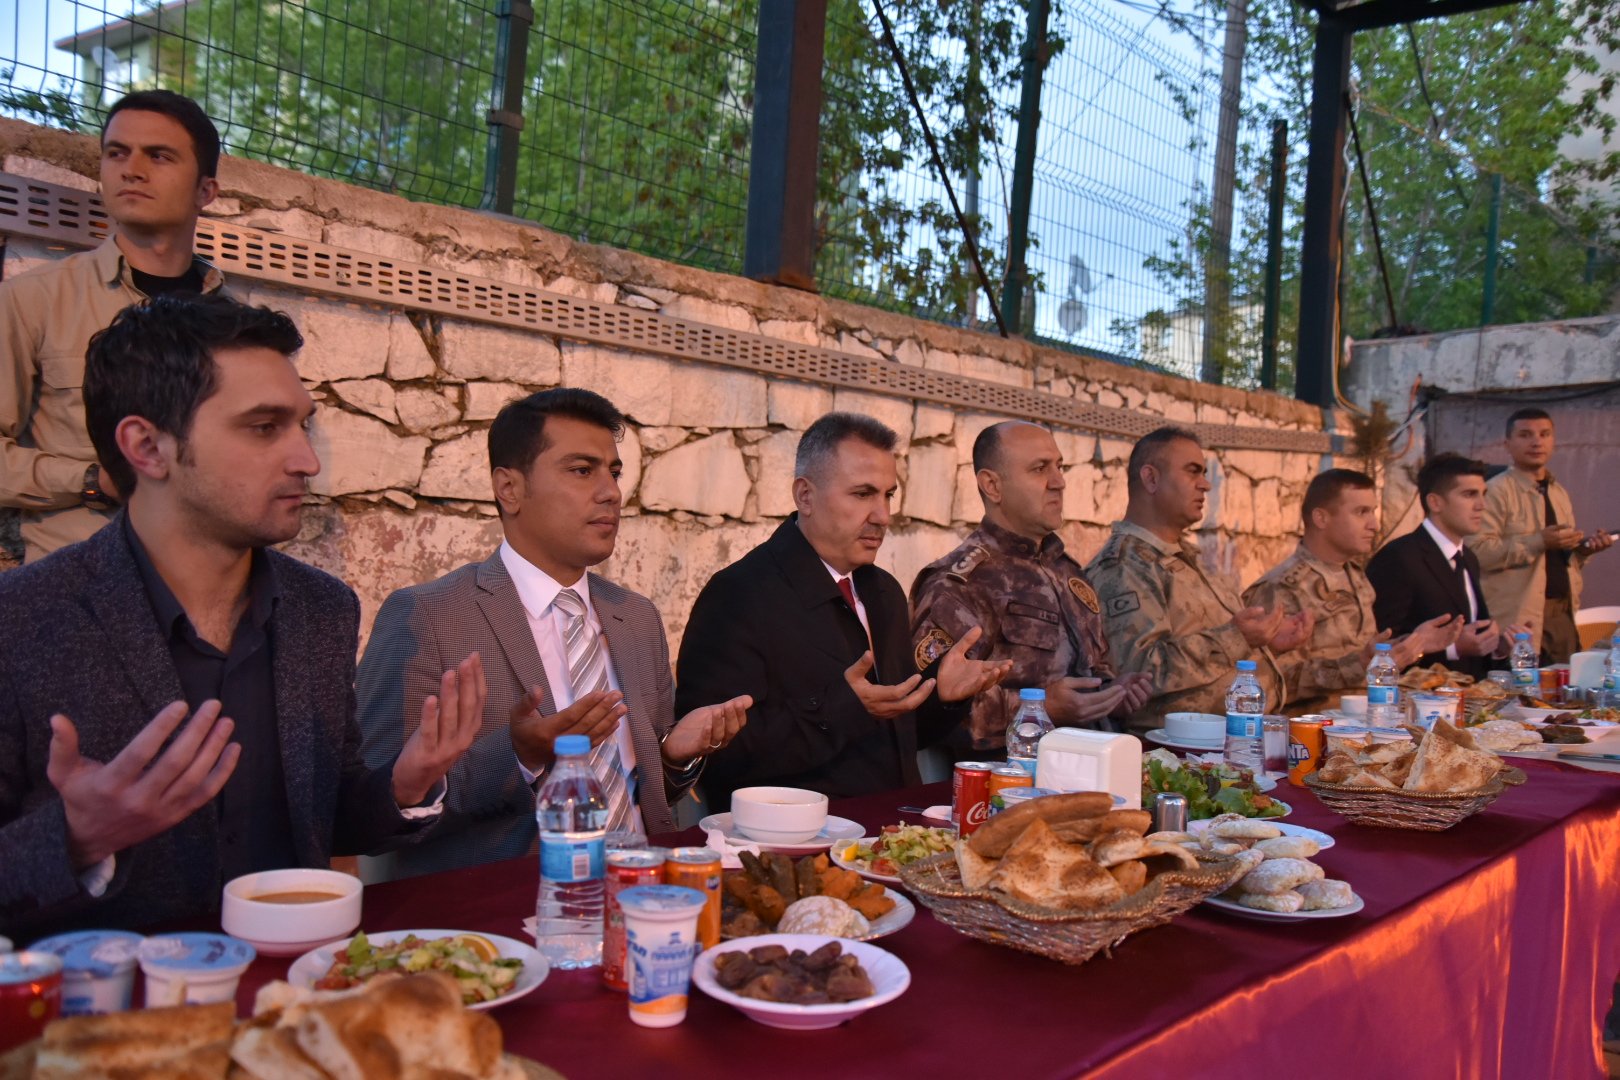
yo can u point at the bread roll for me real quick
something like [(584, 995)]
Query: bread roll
[(1131, 876), (995, 836), (1288, 847)]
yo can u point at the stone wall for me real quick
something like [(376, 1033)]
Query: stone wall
[(405, 400)]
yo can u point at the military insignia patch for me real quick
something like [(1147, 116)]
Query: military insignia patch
[(1123, 604), (1085, 594), (935, 644)]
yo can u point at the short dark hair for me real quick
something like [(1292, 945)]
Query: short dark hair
[(1441, 473), (1326, 487), (821, 439), (1528, 413), (1147, 448), (189, 115), (156, 360), (518, 435)]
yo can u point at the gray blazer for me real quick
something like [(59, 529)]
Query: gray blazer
[(423, 630), (82, 639)]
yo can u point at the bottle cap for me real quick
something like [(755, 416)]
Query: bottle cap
[(570, 745), (1246, 665), (1032, 694), (1382, 646), (1521, 637)]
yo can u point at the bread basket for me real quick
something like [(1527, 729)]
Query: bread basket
[(1070, 936), (1425, 811)]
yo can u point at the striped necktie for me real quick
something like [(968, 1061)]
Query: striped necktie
[(587, 668)]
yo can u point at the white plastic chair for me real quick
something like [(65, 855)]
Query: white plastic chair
[(1593, 624)]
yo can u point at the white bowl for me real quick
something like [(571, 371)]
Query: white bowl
[(1353, 704), (888, 973), (290, 929), (1195, 727), (778, 815)]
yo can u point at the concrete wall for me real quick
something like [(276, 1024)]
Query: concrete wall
[(405, 400)]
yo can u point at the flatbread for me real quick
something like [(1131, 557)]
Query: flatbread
[(1444, 764)]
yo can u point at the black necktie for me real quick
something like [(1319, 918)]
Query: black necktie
[(1462, 583)]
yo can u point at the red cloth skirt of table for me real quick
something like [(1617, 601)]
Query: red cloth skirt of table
[(1490, 949)]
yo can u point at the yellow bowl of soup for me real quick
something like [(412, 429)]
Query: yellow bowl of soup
[(290, 912)]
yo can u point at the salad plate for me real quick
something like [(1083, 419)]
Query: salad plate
[(313, 966), (1210, 788), (901, 844)]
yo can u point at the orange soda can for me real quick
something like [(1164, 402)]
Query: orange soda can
[(1307, 736), (1003, 777), (699, 868)]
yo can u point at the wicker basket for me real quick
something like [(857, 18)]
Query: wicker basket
[(1070, 936), (1425, 811)]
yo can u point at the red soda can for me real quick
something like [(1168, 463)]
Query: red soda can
[(970, 795), (30, 996), (626, 869), (699, 868)]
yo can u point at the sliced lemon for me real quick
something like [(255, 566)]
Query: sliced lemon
[(482, 947)]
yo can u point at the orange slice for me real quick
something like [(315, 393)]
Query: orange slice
[(482, 947)]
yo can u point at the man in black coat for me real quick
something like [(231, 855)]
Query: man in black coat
[(1429, 572), (115, 808), (820, 637)]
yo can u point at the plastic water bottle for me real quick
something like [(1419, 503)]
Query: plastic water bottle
[(572, 815), (1526, 666), (1383, 689), (1245, 710), (1029, 724), (1611, 675)]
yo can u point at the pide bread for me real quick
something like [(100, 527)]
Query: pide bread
[(995, 836)]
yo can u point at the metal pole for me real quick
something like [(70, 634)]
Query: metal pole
[(505, 117), (1317, 353), (1492, 236), (1274, 238), (1029, 118), (1218, 260), (780, 245), (970, 182)]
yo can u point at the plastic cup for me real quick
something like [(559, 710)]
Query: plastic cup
[(98, 969), (193, 969), (660, 929), (1428, 708)]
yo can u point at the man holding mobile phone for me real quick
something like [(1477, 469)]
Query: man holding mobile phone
[(1530, 553)]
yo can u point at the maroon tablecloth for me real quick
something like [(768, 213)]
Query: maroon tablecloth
[(1489, 949)]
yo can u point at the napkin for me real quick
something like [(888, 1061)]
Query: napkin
[(531, 927), (938, 813), (729, 849)]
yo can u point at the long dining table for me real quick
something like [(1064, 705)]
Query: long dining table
[(1489, 949)]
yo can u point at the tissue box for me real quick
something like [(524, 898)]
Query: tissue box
[(1075, 759)]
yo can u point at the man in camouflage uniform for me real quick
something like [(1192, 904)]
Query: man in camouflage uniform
[(1163, 613), (1324, 576), (1012, 577)]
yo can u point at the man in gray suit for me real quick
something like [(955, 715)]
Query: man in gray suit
[(569, 652), (177, 606)]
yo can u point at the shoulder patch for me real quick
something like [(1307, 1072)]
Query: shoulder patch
[(968, 561), (1123, 604), (1085, 594), (934, 644)]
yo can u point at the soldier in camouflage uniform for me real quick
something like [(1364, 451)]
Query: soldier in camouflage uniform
[(1325, 576), (1163, 613), (1012, 577)]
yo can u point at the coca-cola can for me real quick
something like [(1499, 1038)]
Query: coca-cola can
[(970, 795), (626, 868)]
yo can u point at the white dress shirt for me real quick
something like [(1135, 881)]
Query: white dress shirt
[(860, 607), (537, 591), (1449, 548)]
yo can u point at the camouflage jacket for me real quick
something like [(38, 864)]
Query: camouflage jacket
[(1166, 616), (1341, 598), (1036, 609)]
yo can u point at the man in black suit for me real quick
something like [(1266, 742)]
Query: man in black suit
[(820, 637), (177, 607), (1429, 572)]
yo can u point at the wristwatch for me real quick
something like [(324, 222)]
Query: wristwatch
[(92, 495)]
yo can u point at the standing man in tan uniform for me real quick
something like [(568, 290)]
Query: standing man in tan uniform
[(1529, 549), (1325, 577), (1013, 578), (1164, 614), (159, 154)]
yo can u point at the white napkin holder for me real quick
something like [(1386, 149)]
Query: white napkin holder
[(1077, 759), (1586, 668)]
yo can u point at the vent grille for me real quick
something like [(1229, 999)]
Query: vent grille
[(61, 215)]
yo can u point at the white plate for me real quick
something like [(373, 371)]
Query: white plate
[(1233, 908), (836, 853), (888, 973), (1534, 716), (310, 968), (1162, 737), (837, 828), (1323, 840)]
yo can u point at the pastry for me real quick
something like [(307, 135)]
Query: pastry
[(1288, 847), (1326, 895), (1279, 876)]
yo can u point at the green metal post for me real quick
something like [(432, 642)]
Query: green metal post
[(1023, 185), (1274, 240), (1492, 237), (505, 116)]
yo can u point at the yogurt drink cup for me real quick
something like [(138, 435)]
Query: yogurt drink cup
[(98, 969), (193, 968), (660, 929)]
